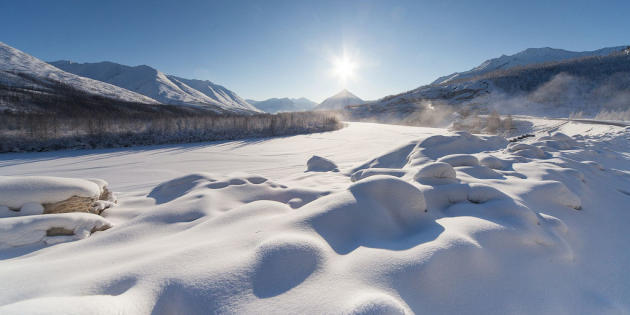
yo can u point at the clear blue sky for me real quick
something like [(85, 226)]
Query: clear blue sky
[(262, 49)]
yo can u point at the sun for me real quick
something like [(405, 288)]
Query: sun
[(344, 68)]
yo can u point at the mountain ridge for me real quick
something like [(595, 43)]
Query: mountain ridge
[(285, 104), (523, 58), (167, 89), (16, 65)]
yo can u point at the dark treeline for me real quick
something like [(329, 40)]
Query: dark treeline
[(43, 115), (39, 132)]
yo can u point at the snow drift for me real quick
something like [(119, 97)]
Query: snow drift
[(429, 227)]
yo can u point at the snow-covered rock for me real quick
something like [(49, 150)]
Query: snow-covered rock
[(49, 228), (44, 194)]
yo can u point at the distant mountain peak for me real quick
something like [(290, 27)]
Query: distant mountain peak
[(339, 101)]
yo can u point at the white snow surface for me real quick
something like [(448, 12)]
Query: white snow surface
[(239, 227), (15, 61)]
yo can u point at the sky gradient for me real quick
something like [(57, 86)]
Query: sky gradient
[(263, 49)]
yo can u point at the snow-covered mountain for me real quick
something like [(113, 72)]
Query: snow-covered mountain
[(275, 105), (526, 57), (167, 89), (19, 69), (339, 101), (585, 86)]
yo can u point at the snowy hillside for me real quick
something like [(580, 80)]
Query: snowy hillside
[(18, 69), (164, 88), (588, 87), (369, 219), (339, 101), (526, 57), (275, 105)]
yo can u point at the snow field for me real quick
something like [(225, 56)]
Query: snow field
[(403, 233)]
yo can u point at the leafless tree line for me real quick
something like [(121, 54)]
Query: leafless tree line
[(39, 132)]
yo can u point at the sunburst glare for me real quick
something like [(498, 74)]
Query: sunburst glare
[(344, 67)]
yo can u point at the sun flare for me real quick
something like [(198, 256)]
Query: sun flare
[(344, 68)]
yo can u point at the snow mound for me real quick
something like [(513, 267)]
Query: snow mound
[(460, 160), (494, 162), (436, 170), (371, 210), (553, 192), (320, 164), (283, 263), (434, 147), (462, 142), (557, 140), (365, 173), (526, 150), (479, 193), (49, 228), (376, 303), (231, 190)]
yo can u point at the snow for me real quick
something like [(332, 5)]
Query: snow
[(152, 83), (460, 160), (17, 191), (526, 57), (240, 227), (339, 101), (320, 164), (21, 231), (275, 105), (16, 61)]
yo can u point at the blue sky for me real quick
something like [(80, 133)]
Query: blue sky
[(262, 49)]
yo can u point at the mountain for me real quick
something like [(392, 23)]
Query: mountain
[(167, 89), (526, 57), (586, 86), (19, 70), (275, 105), (339, 101)]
